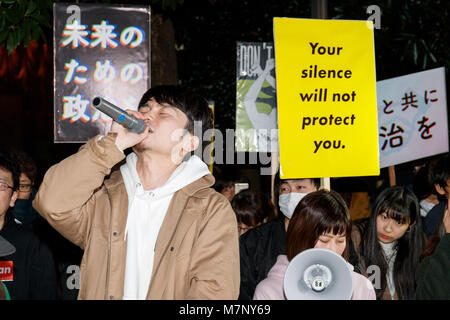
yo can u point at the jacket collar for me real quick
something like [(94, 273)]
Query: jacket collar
[(115, 180), (202, 183)]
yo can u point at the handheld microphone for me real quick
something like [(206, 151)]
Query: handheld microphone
[(120, 116)]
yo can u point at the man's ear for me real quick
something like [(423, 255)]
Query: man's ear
[(12, 202), (439, 189), (190, 143)]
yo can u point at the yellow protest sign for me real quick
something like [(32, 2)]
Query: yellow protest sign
[(326, 91)]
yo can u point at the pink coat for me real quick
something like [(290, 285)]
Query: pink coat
[(271, 288)]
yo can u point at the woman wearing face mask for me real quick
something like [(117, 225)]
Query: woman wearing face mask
[(321, 220), (260, 246), (391, 242)]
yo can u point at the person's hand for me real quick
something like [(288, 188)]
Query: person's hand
[(270, 64), (256, 69), (446, 220), (126, 138)]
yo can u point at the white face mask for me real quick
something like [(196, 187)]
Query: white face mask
[(289, 201), (425, 207)]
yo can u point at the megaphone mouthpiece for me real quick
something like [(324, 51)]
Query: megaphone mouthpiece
[(317, 277)]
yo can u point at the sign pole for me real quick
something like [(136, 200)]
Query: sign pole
[(392, 180), (319, 9), (274, 168)]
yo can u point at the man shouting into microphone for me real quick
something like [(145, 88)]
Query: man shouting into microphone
[(153, 228)]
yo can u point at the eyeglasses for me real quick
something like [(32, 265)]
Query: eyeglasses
[(25, 187), (4, 186)]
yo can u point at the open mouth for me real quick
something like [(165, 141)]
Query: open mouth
[(150, 129)]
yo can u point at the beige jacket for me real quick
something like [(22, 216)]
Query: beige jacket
[(197, 250)]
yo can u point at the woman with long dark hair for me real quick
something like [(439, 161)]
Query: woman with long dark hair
[(320, 220), (389, 244)]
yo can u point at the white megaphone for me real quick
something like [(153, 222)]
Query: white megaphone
[(318, 274)]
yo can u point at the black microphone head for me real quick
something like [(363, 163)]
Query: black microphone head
[(96, 101)]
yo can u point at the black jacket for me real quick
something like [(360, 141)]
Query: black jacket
[(259, 248), (433, 273), (434, 218), (33, 265)]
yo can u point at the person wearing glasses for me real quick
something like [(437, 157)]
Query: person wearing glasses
[(23, 210), (29, 272)]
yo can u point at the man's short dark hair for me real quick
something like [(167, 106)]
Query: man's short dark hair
[(7, 163), (26, 163), (278, 182), (440, 171), (193, 105)]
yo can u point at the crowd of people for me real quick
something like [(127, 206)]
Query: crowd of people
[(141, 217)]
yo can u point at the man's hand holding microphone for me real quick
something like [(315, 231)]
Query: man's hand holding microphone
[(131, 126)]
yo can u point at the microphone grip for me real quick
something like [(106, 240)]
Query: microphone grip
[(120, 116)]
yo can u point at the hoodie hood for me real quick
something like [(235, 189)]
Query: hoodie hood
[(186, 173), (279, 268)]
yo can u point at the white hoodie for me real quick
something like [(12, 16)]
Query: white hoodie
[(146, 212)]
